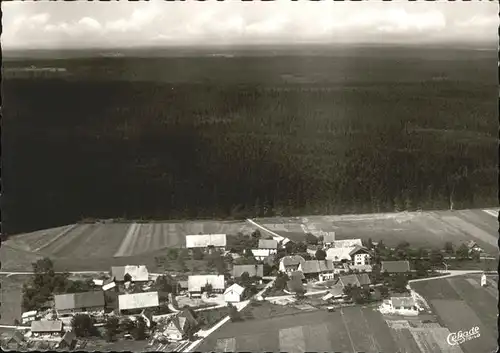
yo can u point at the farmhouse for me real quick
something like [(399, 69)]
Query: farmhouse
[(87, 302), (268, 244), (177, 325), (400, 305), (321, 270), (14, 341), (68, 341), (354, 256), (135, 302), (289, 264), (234, 293), (328, 240), (395, 267), (355, 280), (206, 242), (197, 284), (256, 270), (261, 254), (473, 247), (47, 328), (137, 273)]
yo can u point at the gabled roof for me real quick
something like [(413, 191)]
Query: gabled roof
[(261, 252), (79, 300), (138, 300), (205, 240), (68, 337), (268, 244), (196, 283), (138, 273), (317, 266), (293, 260), (338, 254), (395, 266), (253, 270), (235, 288), (16, 336), (402, 301), (359, 279), (347, 243), (357, 249), (46, 326)]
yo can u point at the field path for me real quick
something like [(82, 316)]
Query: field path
[(129, 237), (66, 230)]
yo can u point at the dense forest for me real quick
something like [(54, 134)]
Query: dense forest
[(100, 146)]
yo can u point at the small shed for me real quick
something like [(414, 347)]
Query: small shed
[(234, 293)]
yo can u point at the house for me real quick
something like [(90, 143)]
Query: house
[(68, 341), (360, 256), (15, 341), (196, 284), (177, 325), (86, 302), (355, 280), (138, 273), (268, 244), (361, 268), (138, 301), (29, 316), (256, 270), (234, 293), (206, 241), (346, 243), (321, 270), (328, 240), (472, 246), (395, 266), (47, 328), (339, 255), (401, 306), (289, 264), (261, 254)]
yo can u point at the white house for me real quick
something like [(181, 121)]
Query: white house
[(29, 316), (206, 241), (261, 254), (138, 301), (355, 255), (197, 283), (234, 293), (400, 306), (138, 273), (289, 264)]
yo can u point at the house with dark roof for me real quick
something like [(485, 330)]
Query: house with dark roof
[(68, 341), (74, 303), (269, 244), (256, 270), (321, 270), (289, 264), (177, 325), (14, 341), (355, 280), (393, 267)]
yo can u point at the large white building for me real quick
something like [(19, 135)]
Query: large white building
[(206, 241)]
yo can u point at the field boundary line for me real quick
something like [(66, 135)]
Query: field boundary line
[(275, 235), (63, 233), (348, 332), (126, 240)]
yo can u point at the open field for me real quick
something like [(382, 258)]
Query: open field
[(460, 303), (124, 242), (11, 299), (317, 331)]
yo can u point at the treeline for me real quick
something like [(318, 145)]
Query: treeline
[(159, 150)]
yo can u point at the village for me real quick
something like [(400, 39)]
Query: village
[(167, 311)]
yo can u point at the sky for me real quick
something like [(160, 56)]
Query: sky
[(83, 24)]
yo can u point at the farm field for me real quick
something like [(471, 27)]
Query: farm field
[(121, 242), (313, 331), (460, 303), (11, 291)]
